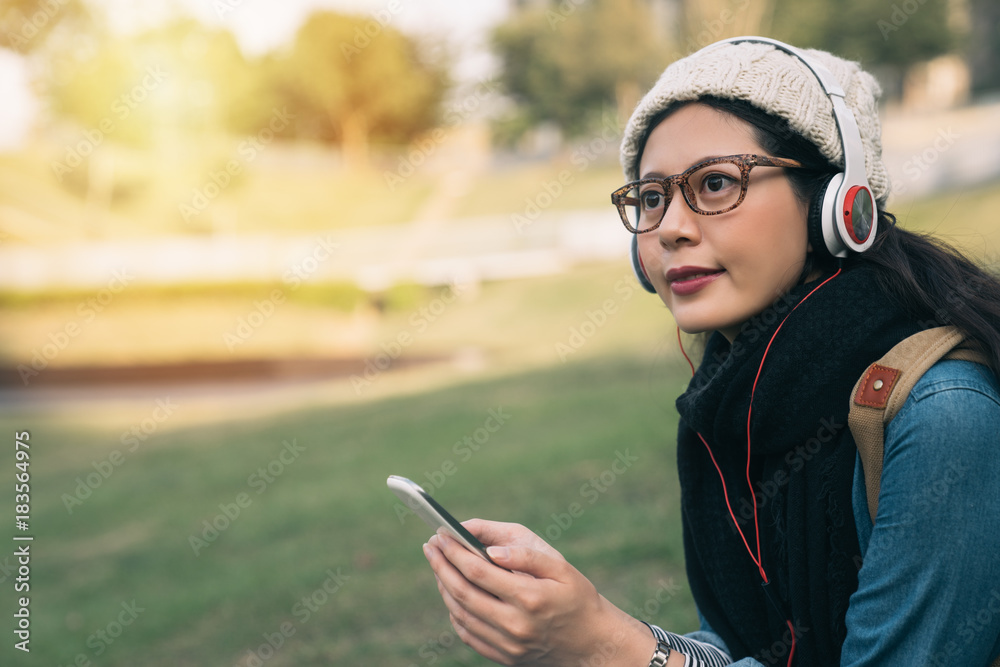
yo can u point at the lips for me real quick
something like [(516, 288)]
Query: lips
[(689, 279), (685, 273)]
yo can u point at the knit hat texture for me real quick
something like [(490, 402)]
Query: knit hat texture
[(778, 83)]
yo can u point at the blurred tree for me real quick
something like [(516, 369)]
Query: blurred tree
[(173, 89), (25, 25), (183, 78), (888, 36), (563, 62), (707, 21), (982, 49), (877, 33), (351, 80)]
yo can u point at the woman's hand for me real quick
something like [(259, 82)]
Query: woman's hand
[(543, 612)]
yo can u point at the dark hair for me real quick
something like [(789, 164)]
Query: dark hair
[(931, 279)]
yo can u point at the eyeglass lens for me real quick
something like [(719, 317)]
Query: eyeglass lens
[(709, 189)]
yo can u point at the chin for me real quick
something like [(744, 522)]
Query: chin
[(694, 328)]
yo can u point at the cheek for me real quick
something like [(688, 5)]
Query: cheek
[(651, 256), (771, 240)]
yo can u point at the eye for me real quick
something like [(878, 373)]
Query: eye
[(717, 182), (650, 199)]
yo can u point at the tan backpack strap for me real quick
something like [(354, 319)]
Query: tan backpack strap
[(968, 354), (881, 391)]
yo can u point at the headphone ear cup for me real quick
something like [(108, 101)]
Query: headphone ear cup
[(822, 203), (638, 268)]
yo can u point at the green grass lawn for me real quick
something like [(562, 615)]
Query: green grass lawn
[(326, 516)]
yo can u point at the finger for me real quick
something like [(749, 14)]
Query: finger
[(472, 566), (520, 589), (451, 578), (541, 565), (477, 616), (480, 645), (496, 533), (487, 636)]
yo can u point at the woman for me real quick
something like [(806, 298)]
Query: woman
[(734, 147)]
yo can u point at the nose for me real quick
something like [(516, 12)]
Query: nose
[(680, 225)]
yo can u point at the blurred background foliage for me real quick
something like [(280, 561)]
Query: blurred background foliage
[(560, 62), (386, 90), (173, 129)]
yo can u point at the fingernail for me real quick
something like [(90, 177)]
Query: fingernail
[(498, 553)]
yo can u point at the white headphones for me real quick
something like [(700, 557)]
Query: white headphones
[(845, 218)]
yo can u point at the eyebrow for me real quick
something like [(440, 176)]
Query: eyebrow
[(660, 174)]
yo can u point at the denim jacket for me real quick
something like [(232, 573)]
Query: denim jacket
[(929, 587)]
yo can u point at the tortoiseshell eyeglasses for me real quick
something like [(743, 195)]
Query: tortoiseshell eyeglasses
[(717, 185)]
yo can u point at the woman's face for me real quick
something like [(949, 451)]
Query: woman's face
[(716, 272)]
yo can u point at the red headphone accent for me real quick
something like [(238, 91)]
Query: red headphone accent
[(860, 226), (755, 558)]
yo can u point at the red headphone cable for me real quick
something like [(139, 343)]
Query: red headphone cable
[(756, 559)]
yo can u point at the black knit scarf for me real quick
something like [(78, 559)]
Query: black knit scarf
[(801, 465)]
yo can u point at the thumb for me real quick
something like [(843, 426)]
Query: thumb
[(528, 561)]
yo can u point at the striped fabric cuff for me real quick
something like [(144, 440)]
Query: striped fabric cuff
[(699, 654)]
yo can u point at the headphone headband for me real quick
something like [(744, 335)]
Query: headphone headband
[(842, 230), (844, 218)]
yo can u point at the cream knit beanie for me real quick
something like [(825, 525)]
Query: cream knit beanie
[(777, 83)]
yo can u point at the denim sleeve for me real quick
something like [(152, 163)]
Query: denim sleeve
[(929, 587)]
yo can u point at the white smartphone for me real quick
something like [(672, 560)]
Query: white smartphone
[(433, 514)]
